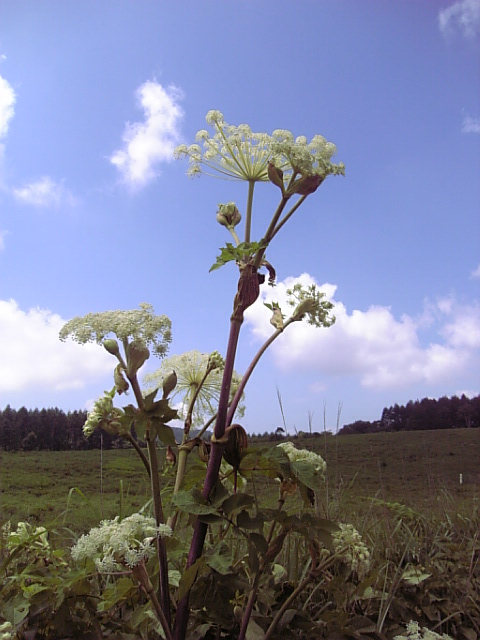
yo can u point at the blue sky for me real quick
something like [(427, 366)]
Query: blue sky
[(96, 215)]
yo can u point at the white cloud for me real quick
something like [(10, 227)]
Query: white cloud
[(381, 350), (476, 272), (151, 142), (44, 192), (471, 125), (33, 358), (463, 15), (3, 233), (7, 102)]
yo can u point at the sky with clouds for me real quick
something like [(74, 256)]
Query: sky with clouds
[(95, 214)]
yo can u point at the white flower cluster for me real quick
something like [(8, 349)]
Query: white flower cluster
[(116, 542), (237, 153), (414, 632), (303, 455), (348, 544), (7, 632), (135, 324)]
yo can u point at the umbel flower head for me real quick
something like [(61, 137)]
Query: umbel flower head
[(348, 544), (120, 542), (138, 326), (237, 153), (190, 369)]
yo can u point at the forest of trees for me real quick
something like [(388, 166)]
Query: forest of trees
[(444, 413), (50, 430), (54, 430)]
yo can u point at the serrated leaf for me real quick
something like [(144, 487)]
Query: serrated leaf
[(164, 432), (189, 577), (220, 558), (237, 502), (231, 253), (244, 521), (193, 502)]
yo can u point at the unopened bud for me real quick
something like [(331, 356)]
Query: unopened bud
[(305, 185), (237, 442), (137, 355), (169, 384), (276, 176), (111, 345), (228, 215), (170, 456)]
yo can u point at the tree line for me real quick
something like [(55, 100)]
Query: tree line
[(50, 430), (444, 413)]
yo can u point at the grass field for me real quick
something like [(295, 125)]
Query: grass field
[(401, 491), (420, 469)]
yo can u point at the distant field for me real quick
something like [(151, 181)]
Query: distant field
[(418, 468)]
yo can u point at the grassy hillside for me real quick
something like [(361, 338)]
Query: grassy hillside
[(417, 468)]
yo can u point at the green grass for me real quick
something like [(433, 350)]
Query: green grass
[(417, 468)]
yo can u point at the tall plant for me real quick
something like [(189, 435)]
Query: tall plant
[(296, 168)]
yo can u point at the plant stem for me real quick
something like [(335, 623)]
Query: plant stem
[(249, 608), (137, 448), (248, 216), (286, 604), (213, 468), (140, 573), (157, 504), (249, 371)]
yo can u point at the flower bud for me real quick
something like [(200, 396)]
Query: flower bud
[(305, 185), (237, 442), (170, 456), (137, 355), (111, 345), (169, 384), (276, 176), (228, 215)]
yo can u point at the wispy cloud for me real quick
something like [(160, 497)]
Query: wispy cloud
[(7, 102), (463, 16), (471, 125), (383, 352), (44, 193), (476, 272), (33, 358), (149, 143)]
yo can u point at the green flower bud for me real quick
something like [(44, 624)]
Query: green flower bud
[(169, 384), (137, 355), (228, 215), (111, 345), (215, 361)]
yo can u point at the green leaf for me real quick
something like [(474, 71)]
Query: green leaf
[(244, 521), (231, 253), (237, 502), (193, 502), (164, 432), (254, 631), (189, 577), (220, 558)]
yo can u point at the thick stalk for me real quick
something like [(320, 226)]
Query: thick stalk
[(213, 468), (140, 573), (159, 519), (249, 608), (248, 216)]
